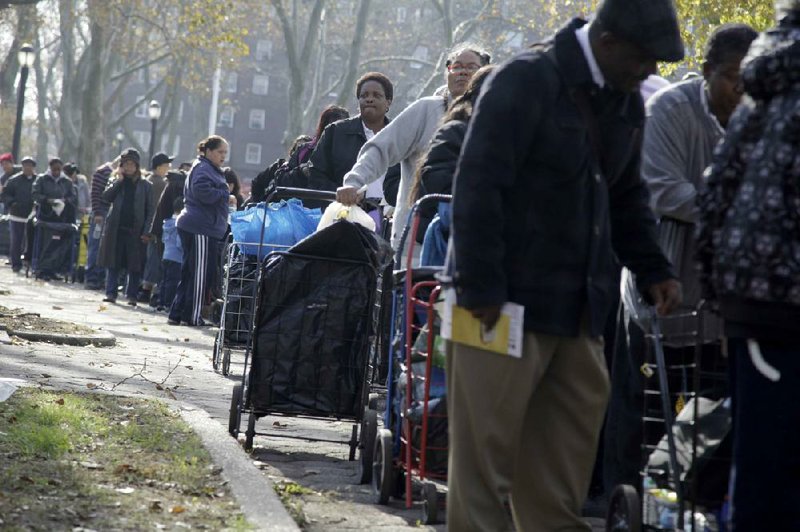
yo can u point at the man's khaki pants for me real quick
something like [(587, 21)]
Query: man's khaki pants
[(524, 429)]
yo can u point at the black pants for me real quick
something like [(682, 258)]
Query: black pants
[(766, 471), (200, 257), (622, 452), (17, 230)]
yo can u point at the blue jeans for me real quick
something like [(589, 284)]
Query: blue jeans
[(94, 274), (169, 283)]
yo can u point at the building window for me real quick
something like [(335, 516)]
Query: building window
[(257, 118), (253, 154), (402, 13), (420, 53), (141, 109), (260, 84), (225, 116), (232, 82), (142, 138), (263, 50)]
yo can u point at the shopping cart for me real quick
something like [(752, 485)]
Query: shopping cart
[(54, 247), (410, 452), (240, 281), (309, 353), (687, 447)]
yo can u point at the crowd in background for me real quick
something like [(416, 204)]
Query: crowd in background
[(558, 199)]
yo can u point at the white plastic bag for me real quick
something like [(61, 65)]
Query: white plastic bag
[(352, 213)]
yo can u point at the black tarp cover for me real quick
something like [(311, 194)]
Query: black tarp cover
[(56, 246), (313, 324)]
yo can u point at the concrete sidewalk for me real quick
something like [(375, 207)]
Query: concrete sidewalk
[(181, 357)]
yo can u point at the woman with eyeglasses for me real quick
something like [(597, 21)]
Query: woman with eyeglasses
[(407, 137)]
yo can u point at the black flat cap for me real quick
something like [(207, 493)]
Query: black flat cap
[(161, 158), (650, 24), (130, 154)]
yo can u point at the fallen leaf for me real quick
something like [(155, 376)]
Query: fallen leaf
[(91, 363), (171, 395), (145, 329), (125, 491), (57, 307), (156, 506), (91, 385), (26, 478), (59, 401), (124, 468), (91, 465), (177, 510), (101, 308), (159, 387), (46, 375), (189, 367), (185, 339)]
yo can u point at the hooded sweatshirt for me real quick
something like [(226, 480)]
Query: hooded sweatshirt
[(205, 196)]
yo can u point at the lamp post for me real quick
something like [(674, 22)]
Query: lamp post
[(26, 57), (154, 112), (118, 138)]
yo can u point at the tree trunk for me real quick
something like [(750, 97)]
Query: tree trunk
[(90, 145), (26, 16), (42, 138), (354, 59)]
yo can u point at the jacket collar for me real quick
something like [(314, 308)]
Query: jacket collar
[(574, 67), (354, 126)]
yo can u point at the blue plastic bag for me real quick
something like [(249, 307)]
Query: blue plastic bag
[(285, 223)]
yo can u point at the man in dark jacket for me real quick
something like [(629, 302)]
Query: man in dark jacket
[(543, 207), (17, 196), (127, 227)]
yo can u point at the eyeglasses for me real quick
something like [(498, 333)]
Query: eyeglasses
[(456, 68)]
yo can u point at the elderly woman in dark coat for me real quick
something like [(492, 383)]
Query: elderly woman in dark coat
[(126, 230)]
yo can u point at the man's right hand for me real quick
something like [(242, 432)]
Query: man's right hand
[(347, 195), (98, 219), (487, 315)]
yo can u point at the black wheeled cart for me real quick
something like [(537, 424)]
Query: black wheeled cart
[(312, 331)]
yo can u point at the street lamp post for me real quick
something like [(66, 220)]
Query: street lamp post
[(154, 112), (26, 56), (118, 138)]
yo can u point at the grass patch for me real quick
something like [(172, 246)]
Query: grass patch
[(290, 493), (105, 462)]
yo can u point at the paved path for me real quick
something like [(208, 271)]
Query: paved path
[(181, 358)]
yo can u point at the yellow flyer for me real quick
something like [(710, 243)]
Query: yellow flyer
[(459, 326)]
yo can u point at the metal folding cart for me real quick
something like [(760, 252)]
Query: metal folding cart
[(241, 275), (686, 421), (410, 452)]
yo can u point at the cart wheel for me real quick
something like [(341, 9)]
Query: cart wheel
[(369, 431), (226, 362), (382, 467), (353, 442), (251, 432), (215, 354), (235, 413), (372, 404), (624, 510), (430, 504)]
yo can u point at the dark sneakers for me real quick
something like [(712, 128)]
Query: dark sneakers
[(109, 299)]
